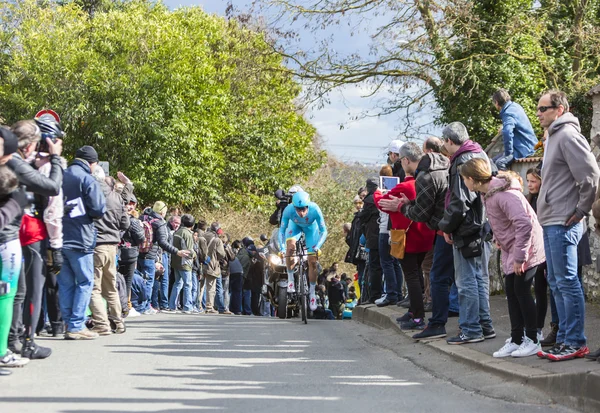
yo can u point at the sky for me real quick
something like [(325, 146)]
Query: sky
[(364, 140)]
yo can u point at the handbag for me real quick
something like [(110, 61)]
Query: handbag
[(398, 242)]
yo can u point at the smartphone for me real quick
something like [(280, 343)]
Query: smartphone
[(388, 182)]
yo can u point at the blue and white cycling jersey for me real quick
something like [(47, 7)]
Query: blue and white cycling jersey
[(313, 226)]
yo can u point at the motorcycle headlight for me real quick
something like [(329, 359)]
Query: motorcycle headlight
[(275, 260)]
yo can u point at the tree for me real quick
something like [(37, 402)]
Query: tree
[(161, 95), (451, 54)]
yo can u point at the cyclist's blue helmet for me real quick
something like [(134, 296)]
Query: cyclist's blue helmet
[(301, 199)]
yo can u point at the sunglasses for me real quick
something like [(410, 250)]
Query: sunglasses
[(543, 109), (301, 209)]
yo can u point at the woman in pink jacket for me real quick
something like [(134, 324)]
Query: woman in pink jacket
[(519, 236)]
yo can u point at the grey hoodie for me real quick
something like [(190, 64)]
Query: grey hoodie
[(569, 174)]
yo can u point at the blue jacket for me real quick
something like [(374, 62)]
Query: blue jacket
[(517, 132), (79, 233)]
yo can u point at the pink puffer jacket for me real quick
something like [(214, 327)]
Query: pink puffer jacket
[(515, 224)]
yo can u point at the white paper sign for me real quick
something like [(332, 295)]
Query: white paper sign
[(78, 207)]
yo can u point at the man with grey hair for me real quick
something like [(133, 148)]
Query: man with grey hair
[(517, 132), (465, 227)]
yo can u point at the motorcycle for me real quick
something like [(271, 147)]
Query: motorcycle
[(276, 283)]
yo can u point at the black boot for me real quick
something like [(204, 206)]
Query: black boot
[(550, 339), (34, 352), (58, 328)]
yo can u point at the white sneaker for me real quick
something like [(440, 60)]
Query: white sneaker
[(527, 348), (540, 336), (133, 313), (507, 349), (291, 287), (312, 301), (11, 359), (381, 300)]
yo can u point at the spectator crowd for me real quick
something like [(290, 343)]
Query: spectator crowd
[(425, 242), (79, 255)]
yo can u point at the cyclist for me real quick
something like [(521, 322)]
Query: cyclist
[(303, 216)]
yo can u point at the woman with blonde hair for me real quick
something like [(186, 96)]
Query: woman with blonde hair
[(519, 235)]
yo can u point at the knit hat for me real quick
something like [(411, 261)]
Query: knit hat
[(87, 153), (372, 184), (11, 143), (159, 207)]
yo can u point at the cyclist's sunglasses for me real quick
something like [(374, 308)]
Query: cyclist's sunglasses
[(542, 109), (301, 209)]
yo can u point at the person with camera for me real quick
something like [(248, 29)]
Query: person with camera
[(283, 200), (129, 250), (10, 248), (32, 230)]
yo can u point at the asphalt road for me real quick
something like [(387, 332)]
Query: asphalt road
[(179, 363)]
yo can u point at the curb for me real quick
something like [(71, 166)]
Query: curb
[(575, 390)]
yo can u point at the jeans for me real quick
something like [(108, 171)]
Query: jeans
[(392, 272), (247, 302), (560, 243), (226, 297), (503, 162), (219, 303), (183, 279), (235, 286), (441, 278), (147, 268), (160, 289), (195, 285), (473, 282), (375, 276), (453, 297), (75, 282)]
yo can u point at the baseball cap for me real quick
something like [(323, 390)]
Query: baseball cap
[(395, 146)]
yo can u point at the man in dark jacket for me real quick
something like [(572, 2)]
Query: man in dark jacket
[(109, 227), (431, 185), (33, 235), (162, 286), (160, 240), (369, 216), (84, 203), (465, 227)]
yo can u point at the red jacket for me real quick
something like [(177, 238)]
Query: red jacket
[(419, 237)]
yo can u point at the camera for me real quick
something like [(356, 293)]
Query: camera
[(49, 128)]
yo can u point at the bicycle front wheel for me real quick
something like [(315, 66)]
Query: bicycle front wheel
[(303, 297)]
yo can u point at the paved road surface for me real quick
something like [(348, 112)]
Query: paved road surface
[(178, 363)]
